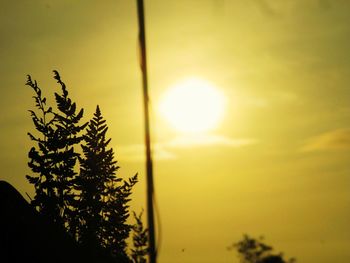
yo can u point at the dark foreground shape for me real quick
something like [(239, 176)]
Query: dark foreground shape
[(25, 236), (273, 259)]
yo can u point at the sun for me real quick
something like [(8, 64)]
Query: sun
[(193, 106)]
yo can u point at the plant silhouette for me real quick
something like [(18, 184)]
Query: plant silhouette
[(251, 250), (89, 202), (140, 250), (102, 208), (54, 157), (68, 130)]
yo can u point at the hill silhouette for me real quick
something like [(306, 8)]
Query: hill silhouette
[(26, 236)]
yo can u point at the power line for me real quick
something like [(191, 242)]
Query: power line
[(149, 164)]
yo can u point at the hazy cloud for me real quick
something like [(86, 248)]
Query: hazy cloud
[(272, 99), (136, 152), (333, 140), (165, 150), (207, 140)]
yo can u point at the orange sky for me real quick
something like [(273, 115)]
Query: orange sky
[(277, 165)]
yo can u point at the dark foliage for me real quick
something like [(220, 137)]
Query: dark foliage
[(27, 236), (102, 206), (92, 205), (253, 250), (68, 129), (53, 159), (43, 157), (140, 239), (117, 229)]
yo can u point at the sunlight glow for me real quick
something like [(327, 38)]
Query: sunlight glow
[(193, 106)]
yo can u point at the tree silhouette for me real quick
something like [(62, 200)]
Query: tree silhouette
[(102, 207), (253, 250), (54, 158)]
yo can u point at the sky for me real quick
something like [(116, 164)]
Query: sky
[(277, 165)]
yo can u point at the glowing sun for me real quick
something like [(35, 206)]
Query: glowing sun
[(193, 106)]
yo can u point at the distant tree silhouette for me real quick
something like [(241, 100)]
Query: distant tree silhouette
[(140, 237), (253, 250), (53, 159), (102, 207)]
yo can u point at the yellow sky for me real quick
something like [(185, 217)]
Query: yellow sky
[(278, 165)]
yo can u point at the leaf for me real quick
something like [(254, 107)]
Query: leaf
[(72, 109), (29, 80), (32, 137), (32, 180), (56, 75), (80, 115)]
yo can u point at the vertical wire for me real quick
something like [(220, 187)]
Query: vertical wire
[(149, 164)]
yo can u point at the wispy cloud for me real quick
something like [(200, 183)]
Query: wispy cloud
[(166, 150), (136, 153), (207, 140), (273, 99), (338, 139)]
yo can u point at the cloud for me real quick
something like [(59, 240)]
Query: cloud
[(165, 150), (333, 140), (136, 153), (282, 97), (207, 140)]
